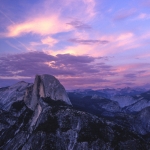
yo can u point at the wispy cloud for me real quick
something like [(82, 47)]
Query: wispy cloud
[(79, 25), (41, 26), (142, 16), (13, 46), (124, 14), (49, 41), (45, 22), (90, 7), (146, 3), (130, 75), (88, 42), (7, 17)]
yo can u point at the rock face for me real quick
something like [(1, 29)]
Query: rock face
[(45, 86), (53, 89)]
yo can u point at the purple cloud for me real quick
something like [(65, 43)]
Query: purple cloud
[(88, 42), (71, 59), (142, 71), (73, 71), (85, 80), (124, 14), (125, 83), (130, 75), (79, 25), (146, 3), (29, 64)]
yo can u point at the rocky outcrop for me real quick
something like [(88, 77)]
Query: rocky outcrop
[(45, 86)]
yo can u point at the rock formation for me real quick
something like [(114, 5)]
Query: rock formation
[(45, 86)]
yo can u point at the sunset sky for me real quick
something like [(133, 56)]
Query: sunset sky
[(84, 43)]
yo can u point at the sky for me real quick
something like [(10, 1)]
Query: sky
[(86, 44)]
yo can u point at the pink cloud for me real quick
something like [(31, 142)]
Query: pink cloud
[(43, 19), (142, 16), (41, 26), (103, 45), (146, 3), (90, 7), (49, 41)]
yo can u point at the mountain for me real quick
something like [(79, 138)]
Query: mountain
[(122, 109), (108, 93), (42, 116)]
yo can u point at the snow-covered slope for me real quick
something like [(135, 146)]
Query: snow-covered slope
[(12, 94), (142, 101), (138, 106), (102, 103), (124, 100)]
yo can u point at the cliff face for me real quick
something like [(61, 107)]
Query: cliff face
[(45, 86), (43, 118)]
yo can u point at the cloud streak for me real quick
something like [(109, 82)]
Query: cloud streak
[(79, 25), (7, 17), (88, 42), (124, 14)]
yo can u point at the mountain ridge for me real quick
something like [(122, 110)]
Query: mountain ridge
[(46, 117)]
